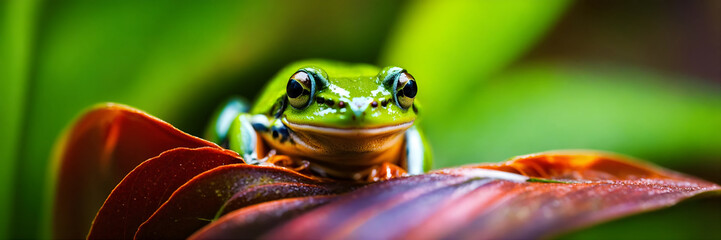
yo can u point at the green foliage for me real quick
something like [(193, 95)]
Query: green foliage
[(18, 17), (544, 106), (451, 58)]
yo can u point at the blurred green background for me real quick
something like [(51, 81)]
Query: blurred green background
[(496, 79)]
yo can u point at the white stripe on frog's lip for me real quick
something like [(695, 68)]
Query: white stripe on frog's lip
[(347, 132)]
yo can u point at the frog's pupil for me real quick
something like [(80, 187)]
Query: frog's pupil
[(294, 89), (410, 89)]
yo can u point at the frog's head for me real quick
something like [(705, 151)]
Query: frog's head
[(354, 98), (369, 107)]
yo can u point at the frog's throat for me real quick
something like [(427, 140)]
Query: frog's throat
[(358, 147), (348, 132)]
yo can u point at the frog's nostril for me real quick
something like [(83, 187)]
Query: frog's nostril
[(360, 104)]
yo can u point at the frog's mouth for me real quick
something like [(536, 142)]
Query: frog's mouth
[(348, 132), (346, 146)]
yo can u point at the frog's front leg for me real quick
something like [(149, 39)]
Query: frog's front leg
[(217, 129), (243, 138), (418, 154), (232, 127)]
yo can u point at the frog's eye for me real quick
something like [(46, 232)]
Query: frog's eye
[(300, 89), (405, 90)]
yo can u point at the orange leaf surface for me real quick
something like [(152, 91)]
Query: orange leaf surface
[(149, 185), (252, 222), (103, 146), (198, 201)]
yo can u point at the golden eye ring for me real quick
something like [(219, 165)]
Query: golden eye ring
[(405, 90), (300, 89)]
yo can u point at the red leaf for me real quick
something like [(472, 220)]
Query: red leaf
[(386, 193), (270, 192), (150, 184), (465, 203), (97, 152), (581, 165), (194, 204), (251, 222)]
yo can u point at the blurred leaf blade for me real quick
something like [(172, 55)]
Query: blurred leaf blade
[(475, 39), (547, 106), (16, 49)]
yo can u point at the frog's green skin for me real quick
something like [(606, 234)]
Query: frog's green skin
[(368, 128)]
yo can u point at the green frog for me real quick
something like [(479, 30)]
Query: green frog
[(338, 120)]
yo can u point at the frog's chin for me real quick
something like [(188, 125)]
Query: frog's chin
[(345, 146), (348, 132)]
